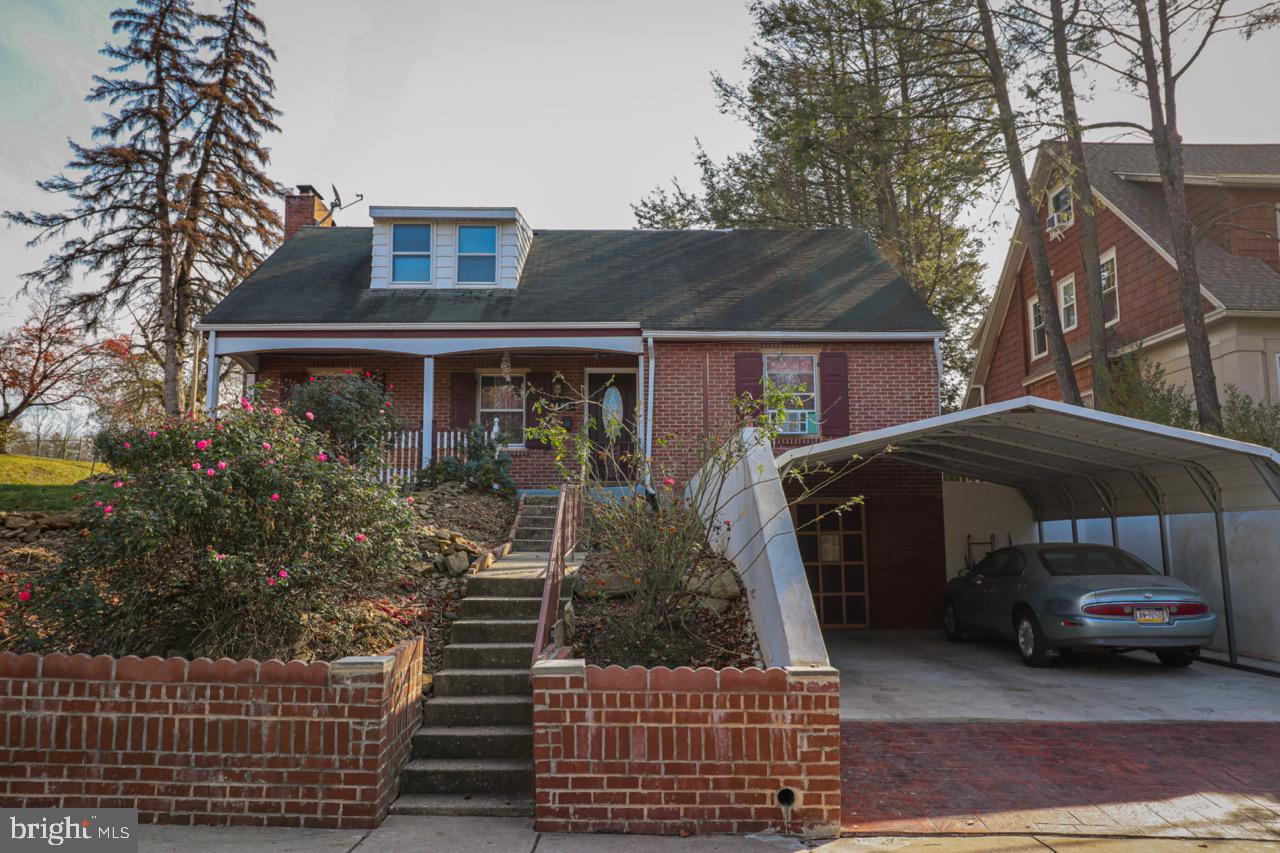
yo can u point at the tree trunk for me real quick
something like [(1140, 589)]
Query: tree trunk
[(1168, 148), (6, 431), (168, 314), (1086, 210), (1029, 214)]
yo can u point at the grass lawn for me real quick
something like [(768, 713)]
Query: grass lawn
[(35, 482)]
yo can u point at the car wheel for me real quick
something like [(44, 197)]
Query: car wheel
[(1032, 645), (1178, 657), (951, 624)]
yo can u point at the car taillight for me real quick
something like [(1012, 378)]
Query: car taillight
[(1108, 609), (1178, 608)]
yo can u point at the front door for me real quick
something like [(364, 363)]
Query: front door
[(612, 399), (833, 547)]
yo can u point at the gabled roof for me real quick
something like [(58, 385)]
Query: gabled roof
[(754, 280), (1125, 178)]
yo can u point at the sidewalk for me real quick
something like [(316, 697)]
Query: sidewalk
[(403, 834)]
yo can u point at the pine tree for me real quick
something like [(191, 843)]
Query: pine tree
[(120, 223), (861, 118)]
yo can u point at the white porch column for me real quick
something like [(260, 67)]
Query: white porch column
[(428, 396), (642, 412), (211, 381)]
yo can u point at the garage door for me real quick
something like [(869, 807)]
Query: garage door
[(833, 546)]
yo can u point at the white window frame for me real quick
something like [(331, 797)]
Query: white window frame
[(1061, 224), (1086, 398), (1032, 304), (1069, 281), (1110, 255), (524, 391), (497, 234), (813, 392), (430, 255)]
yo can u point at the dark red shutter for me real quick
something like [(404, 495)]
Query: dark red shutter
[(462, 396), (537, 387), (748, 374), (833, 392)]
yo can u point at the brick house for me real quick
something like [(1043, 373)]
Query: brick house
[(1233, 192), (469, 315)]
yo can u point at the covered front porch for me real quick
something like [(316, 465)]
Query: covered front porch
[(441, 386)]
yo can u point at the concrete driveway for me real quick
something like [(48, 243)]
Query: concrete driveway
[(962, 738), (918, 675)]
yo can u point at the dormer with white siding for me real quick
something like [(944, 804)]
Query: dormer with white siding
[(448, 247)]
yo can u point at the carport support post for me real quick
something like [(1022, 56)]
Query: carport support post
[(1164, 542), (1075, 529), (1040, 531), (1226, 585)]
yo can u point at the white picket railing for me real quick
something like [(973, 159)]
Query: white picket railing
[(403, 458)]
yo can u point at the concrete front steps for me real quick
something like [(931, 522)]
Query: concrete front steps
[(536, 523), (473, 754)]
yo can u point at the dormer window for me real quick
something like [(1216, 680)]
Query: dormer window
[(1061, 213), (477, 254), (410, 254)]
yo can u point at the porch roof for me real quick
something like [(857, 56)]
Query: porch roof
[(810, 281)]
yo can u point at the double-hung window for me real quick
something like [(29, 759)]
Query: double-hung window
[(1110, 289), (501, 401), (410, 254), (1061, 212), (797, 376), (477, 254), (1039, 337), (1067, 303)]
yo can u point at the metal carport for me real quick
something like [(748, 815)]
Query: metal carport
[(1070, 462)]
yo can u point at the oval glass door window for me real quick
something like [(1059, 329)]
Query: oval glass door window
[(611, 408)]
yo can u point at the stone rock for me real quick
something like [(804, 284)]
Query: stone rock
[(483, 562), (14, 522), (616, 584), (716, 584), (568, 623), (715, 605), (457, 563)]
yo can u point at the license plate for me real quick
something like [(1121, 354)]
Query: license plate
[(1151, 615)]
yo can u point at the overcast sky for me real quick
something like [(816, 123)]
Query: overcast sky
[(568, 109)]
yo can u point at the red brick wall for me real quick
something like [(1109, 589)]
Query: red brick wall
[(695, 751), (906, 550), (209, 742), (889, 383)]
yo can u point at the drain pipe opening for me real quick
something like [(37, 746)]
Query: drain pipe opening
[(786, 797)]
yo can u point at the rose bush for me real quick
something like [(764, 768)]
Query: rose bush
[(240, 537), (352, 409)]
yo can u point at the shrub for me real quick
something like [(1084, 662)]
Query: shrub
[(1139, 390), (483, 464), (353, 410), (1246, 419), (241, 537)]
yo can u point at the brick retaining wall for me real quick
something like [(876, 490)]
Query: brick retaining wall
[(666, 751), (210, 742)]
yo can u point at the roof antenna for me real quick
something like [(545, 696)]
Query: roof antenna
[(338, 205)]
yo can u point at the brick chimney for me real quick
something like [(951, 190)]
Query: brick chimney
[(305, 207)]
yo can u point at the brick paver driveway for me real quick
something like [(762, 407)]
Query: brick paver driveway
[(939, 737)]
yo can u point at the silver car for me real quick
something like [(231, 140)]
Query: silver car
[(1051, 597)]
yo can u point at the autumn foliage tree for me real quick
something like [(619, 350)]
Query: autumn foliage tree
[(45, 362)]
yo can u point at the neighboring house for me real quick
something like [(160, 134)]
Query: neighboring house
[(468, 314), (1233, 192)]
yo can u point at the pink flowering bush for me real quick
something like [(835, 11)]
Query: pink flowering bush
[(240, 538), (352, 409)]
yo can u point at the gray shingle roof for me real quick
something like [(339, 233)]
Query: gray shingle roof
[(1237, 282), (752, 280)]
